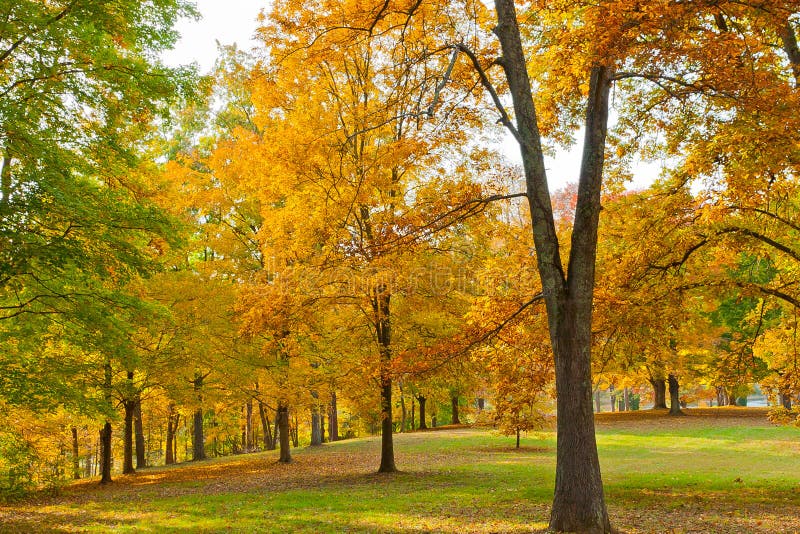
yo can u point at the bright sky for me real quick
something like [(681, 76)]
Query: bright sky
[(234, 21), (224, 21)]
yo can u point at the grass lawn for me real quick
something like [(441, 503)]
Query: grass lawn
[(716, 470)]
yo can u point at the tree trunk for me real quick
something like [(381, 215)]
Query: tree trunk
[(613, 402), (578, 503), (76, 455), (283, 433), (403, 413), (198, 438), (454, 403), (321, 422), (518, 438), (597, 407), (269, 440), (105, 454), (413, 413), (316, 431), (674, 396), (249, 428), (380, 306), (172, 428), (127, 438), (333, 419), (294, 430), (138, 429), (626, 395), (659, 393), (422, 399)]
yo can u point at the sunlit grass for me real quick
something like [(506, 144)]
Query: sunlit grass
[(686, 474)]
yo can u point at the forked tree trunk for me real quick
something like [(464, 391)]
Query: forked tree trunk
[(422, 399), (138, 429), (578, 503), (674, 396), (659, 393), (283, 433), (333, 419), (454, 403), (76, 455)]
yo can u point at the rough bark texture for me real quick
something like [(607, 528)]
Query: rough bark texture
[(380, 307), (578, 503), (105, 454), (454, 404), (659, 393), (674, 396), (283, 433), (422, 399), (789, 41), (138, 429), (333, 419)]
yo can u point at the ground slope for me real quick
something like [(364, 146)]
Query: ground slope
[(718, 470)]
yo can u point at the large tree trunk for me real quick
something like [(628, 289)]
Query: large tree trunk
[(422, 399), (454, 403), (674, 396), (138, 429), (659, 393), (333, 419), (172, 428), (283, 433), (198, 438), (76, 455), (380, 307), (578, 503), (105, 454)]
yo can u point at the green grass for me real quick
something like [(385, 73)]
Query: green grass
[(693, 474)]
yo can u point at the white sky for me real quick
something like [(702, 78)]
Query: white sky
[(234, 21)]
